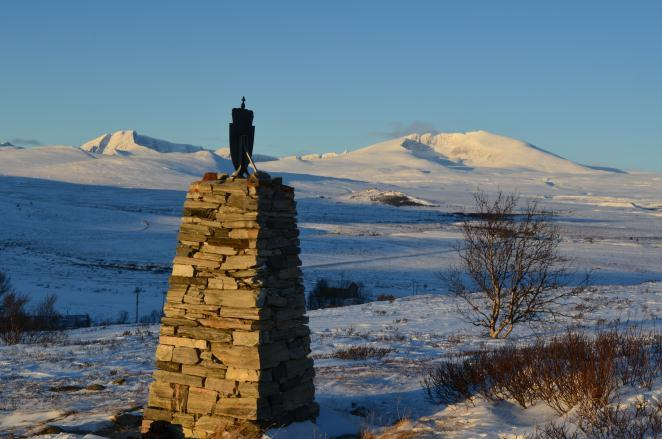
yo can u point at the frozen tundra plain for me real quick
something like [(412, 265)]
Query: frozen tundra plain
[(91, 223)]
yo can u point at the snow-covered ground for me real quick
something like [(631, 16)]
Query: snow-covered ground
[(91, 227), (420, 331)]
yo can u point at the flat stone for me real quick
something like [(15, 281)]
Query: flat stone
[(225, 283), (244, 233), (175, 295), (246, 338), (156, 414), (254, 375), (236, 298), (185, 355), (167, 330), (168, 366), (219, 250), (160, 395), (194, 228), (182, 270), (257, 389), (237, 356), (183, 419), (239, 262), (212, 424), (246, 313), (201, 401), (192, 204), (179, 378), (222, 386), (203, 333), (242, 408), (172, 321), (240, 224), (195, 262), (181, 341), (241, 202), (232, 323), (203, 370), (172, 310), (164, 352)]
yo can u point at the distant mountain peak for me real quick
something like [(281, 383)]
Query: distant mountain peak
[(129, 141), (6, 144), (483, 149)]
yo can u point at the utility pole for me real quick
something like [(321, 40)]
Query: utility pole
[(137, 293)]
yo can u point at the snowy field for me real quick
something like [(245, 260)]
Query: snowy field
[(93, 227), (420, 331), (92, 245)]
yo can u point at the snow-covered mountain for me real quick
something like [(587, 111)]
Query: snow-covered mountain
[(482, 149), (425, 157), (126, 158), (75, 165), (131, 142), (459, 151)]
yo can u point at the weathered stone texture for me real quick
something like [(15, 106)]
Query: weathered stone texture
[(234, 341)]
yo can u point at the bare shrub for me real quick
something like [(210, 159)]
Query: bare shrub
[(640, 421), (20, 325), (452, 381), (577, 370), (510, 268), (153, 317), (385, 298), (554, 431), (45, 317), (573, 370), (5, 284), (640, 358), (14, 319), (122, 317), (328, 294), (363, 352)]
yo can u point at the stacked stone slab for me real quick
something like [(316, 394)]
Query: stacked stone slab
[(234, 341)]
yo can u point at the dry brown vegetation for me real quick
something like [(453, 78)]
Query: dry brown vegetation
[(572, 371), (641, 421), (362, 352), (400, 430), (563, 371)]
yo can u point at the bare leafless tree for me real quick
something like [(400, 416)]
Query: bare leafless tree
[(510, 269)]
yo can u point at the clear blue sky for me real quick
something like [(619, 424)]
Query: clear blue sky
[(582, 79)]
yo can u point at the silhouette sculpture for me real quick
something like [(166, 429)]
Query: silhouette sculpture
[(242, 133)]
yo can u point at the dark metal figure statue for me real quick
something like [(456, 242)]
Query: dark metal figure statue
[(242, 134)]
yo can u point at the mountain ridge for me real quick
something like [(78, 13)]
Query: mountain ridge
[(131, 142)]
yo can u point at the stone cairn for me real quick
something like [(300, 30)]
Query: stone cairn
[(234, 341)]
